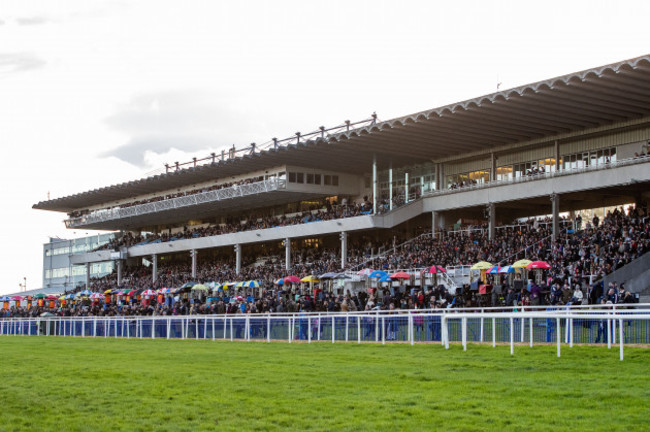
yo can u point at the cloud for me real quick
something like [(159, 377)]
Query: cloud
[(32, 21), (19, 62), (183, 120)]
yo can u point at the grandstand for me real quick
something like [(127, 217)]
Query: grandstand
[(562, 146)]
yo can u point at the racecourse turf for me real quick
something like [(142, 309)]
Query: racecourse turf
[(85, 384)]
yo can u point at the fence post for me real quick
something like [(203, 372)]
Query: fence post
[(620, 336), (333, 328), (231, 334), (494, 332), (570, 332), (309, 321), (268, 327), (444, 323), (290, 328), (153, 327), (609, 332), (225, 327), (358, 330), (83, 328), (412, 329), (383, 331), (464, 333), (196, 328), (557, 335), (482, 311), (94, 327), (512, 336), (377, 326), (347, 327), (530, 330), (115, 328), (614, 331), (247, 328), (319, 326), (523, 324)]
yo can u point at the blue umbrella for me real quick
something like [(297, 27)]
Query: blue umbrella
[(5, 298), (378, 274), (385, 279), (507, 269)]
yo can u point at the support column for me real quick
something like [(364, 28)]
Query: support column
[(119, 272), (193, 254), (555, 208), (238, 258), (344, 248), (557, 155), (406, 188), (493, 167), (438, 176), (154, 268), (87, 276), (287, 253), (374, 184), (492, 220), (434, 223), (390, 186)]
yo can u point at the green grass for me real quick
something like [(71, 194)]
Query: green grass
[(74, 384)]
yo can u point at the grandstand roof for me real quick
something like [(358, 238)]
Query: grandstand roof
[(570, 103)]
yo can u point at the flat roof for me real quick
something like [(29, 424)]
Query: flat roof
[(578, 101)]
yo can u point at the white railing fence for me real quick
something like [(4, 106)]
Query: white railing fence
[(569, 326)]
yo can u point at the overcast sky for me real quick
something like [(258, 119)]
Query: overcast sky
[(93, 93)]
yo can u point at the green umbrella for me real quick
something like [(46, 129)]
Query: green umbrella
[(200, 287), (39, 296)]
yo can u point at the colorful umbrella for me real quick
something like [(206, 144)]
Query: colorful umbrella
[(482, 265), (39, 296), (385, 279), (522, 263), (328, 275), (96, 296), (51, 297), (539, 265), (342, 276), (149, 293), (292, 279), (84, 293), (400, 275), (365, 272), (68, 297), (5, 298), (200, 287), (17, 298), (494, 270), (279, 282), (377, 274), (436, 269), (252, 284), (507, 269), (310, 279)]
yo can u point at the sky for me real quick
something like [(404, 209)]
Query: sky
[(95, 93)]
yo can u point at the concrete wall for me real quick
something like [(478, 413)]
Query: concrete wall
[(635, 275)]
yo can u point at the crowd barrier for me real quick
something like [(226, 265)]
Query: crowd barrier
[(576, 325)]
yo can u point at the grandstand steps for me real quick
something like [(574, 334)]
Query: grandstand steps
[(635, 275)]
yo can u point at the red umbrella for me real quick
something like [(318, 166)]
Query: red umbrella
[(17, 298), (292, 279), (400, 275), (436, 269), (365, 272), (539, 265), (51, 297)]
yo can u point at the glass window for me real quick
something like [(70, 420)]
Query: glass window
[(335, 180), (327, 179), (292, 177), (310, 178), (317, 179), (300, 177)]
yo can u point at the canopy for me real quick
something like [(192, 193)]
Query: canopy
[(494, 270), (539, 265), (365, 272), (309, 279), (292, 279), (482, 265), (149, 293), (522, 263), (328, 275), (507, 269), (377, 274), (279, 282), (436, 269), (400, 275), (200, 287)]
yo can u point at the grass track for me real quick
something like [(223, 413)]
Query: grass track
[(74, 384)]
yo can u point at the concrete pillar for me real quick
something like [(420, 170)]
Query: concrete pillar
[(406, 188), (390, 186), (492, 220), (238, 258), (154, 268), (555, 209), (87, 276), (374, 184), (434, 222), (119, 272), (438, 177), (287, 254), (344, 249), (193, 254), (493, 167)]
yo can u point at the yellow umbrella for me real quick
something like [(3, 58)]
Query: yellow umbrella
[(482, 265), (522, 263), (310, 279)]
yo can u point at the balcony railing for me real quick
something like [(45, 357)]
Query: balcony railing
[(235, 191)]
